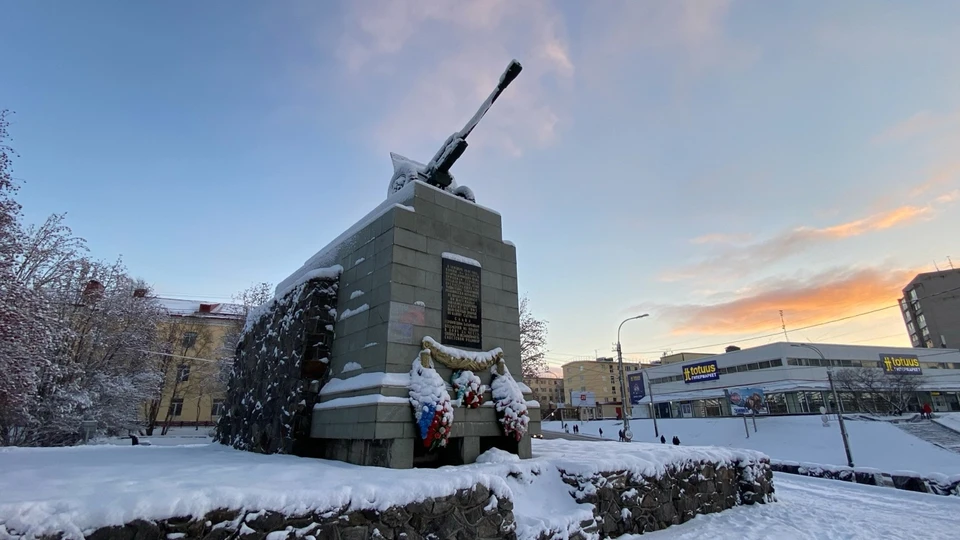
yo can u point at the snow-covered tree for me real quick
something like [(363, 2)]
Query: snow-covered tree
[(533, 342), (253, 296)]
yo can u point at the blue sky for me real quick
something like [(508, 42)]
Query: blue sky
[(708, 162)]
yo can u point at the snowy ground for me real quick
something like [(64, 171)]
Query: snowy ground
[(879, 445), (43, 490), (813, 508), (175, 437)]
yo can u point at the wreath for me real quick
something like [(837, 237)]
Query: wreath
[(468, 388), (431, 405), (510, 405)]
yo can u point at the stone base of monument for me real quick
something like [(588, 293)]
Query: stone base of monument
[(324, 369)]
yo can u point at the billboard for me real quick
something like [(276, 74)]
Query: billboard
[(701, 371), (896, 364), (637, 388), (583, 399), (747, 401)]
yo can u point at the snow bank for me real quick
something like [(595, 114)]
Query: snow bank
[(365, 380), (45, 490), (460, 258), (351, 312), (356, 401), (351, 366), (476, 356)]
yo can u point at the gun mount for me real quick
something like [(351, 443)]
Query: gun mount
[(437, 171)]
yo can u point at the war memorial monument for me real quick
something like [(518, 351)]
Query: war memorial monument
[(396, 345)]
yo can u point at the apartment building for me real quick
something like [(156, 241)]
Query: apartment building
[(931, 309), (598, 381), (548, 391)]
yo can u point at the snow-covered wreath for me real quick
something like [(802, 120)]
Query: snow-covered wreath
[(431, 404), (468, 389), (509, 402)]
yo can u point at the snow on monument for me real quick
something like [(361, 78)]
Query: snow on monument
[(397, 344)]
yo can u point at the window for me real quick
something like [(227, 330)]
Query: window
[(611, 369), (793, 361), (776, 362), (183, 372), (176, 407), (921, 321), (217, 408), (189, 339), (765, 365), (583, 388), (911, 328), (613, 389), (913, 295)]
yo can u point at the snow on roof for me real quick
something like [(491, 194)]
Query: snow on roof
[(182, 307)]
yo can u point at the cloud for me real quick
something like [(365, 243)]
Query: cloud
[(741, 258), (827, 296), (436, 61), (721, 238)]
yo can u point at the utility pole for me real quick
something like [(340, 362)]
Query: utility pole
[(627, 434), (836, 399)]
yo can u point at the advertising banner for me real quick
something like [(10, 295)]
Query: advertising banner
[(701, 371), (583, 399), (748, 401), (895, 364), (637, 389)]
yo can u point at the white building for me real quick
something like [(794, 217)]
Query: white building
[(791, 379)]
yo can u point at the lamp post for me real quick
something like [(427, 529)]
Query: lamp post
[(627, 434), (836, 398)]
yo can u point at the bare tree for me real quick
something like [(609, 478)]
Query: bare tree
[(253, 296), (533, 342), (877, 392)]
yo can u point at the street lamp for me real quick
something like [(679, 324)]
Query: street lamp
[(627, 434), (836, 398)]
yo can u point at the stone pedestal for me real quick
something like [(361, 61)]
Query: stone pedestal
[(391, 296)]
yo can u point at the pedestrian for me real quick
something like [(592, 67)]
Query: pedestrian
[(601, 433), (928, 411), (663, 440), (566, 429), (676, 440), (620, 433)]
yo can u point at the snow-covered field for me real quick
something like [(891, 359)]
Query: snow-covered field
[(880, 445), (817, 509), (73, 489)]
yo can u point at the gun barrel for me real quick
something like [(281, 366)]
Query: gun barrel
[(513, 69)]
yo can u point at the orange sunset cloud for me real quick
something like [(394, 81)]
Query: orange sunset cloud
[(826, 296)]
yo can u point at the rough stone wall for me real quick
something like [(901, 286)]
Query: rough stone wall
[(278, 371), (469, 513), (937, 484), (625, 503)]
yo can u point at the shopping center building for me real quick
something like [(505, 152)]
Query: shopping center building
[(792, 378)]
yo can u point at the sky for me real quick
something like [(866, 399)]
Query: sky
[(710, 163)]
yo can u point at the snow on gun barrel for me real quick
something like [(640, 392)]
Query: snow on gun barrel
[(437, 171)]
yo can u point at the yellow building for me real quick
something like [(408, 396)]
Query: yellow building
[(601, 378), (197, 341)]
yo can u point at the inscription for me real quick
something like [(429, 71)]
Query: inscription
[(461, 305)]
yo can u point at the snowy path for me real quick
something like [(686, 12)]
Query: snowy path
[(933, 433), (812, 508)]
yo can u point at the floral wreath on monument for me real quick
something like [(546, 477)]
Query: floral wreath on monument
[(433, 407)]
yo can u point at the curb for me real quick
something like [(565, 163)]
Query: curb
[(936, 484)]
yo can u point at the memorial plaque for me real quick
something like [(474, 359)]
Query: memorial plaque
[(461, 305)]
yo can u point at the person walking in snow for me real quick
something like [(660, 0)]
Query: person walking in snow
[(663, 440), (601, 433), (620, 433), (676, 440), (927, 411)]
